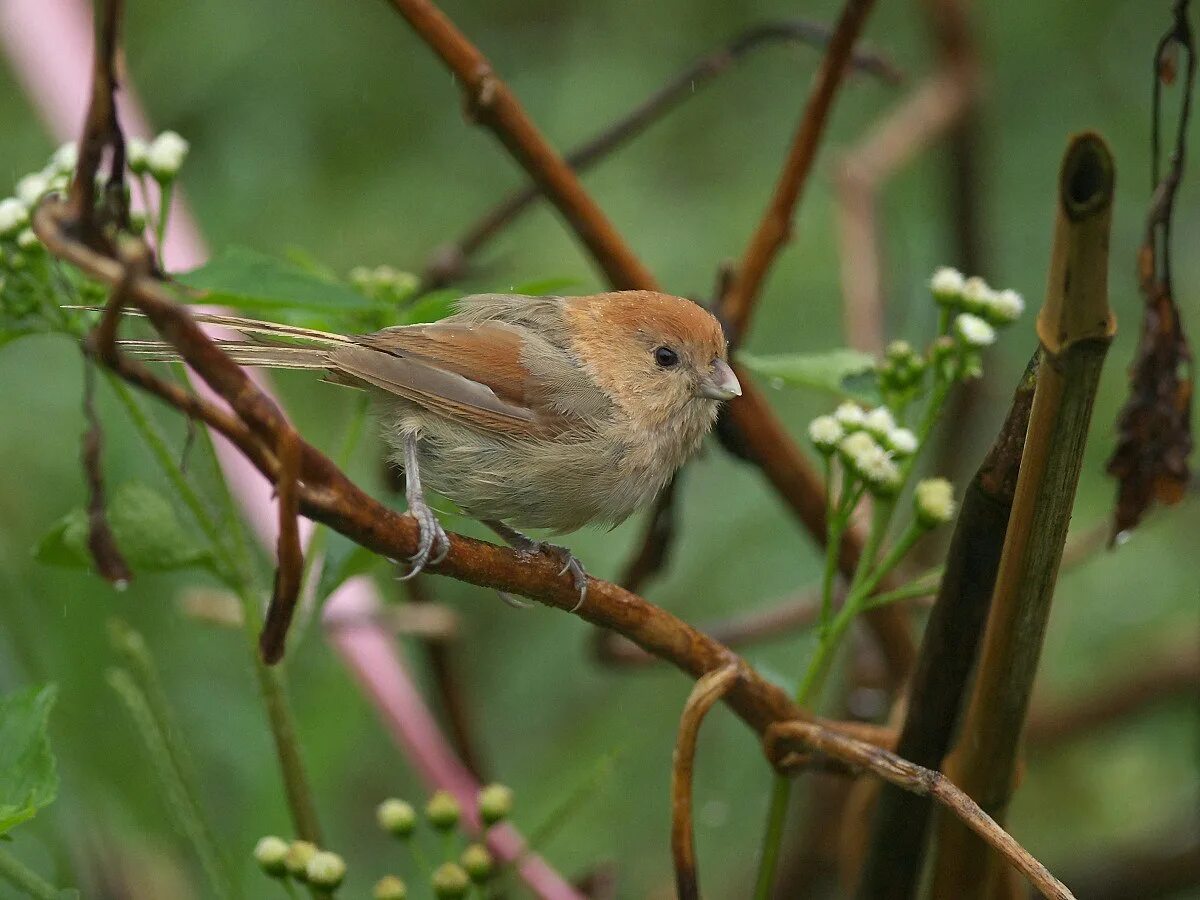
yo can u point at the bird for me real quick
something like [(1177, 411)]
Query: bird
[(549, 412)]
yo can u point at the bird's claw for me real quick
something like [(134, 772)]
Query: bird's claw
[(433, 538), (571, 564), (514, 601)]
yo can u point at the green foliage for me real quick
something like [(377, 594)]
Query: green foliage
[(248, 280), (344, 560), (842, 371), (28, 775), (147, 529)]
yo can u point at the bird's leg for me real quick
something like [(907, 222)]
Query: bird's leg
[(433, 536), (525, 544)]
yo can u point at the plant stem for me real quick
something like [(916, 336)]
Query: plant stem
[(918, 587), (187, 816), (164, 213), (25, 879)]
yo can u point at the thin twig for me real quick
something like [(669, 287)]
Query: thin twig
[(102, 545), (290, 557), (776, 223), (708, 690), (489, 102), (449, 262), (780, 740)]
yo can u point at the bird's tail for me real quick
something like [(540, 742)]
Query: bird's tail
[(269, 345)]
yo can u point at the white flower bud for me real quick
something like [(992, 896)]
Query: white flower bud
[(271, 855), (977, 296), (165, 155), (933, 499), (974, 331), (857, 446), (13, 216), (31, 188), (27, 240), (879, 421), (882, 475), (137, 153), (947, 285), (65, 159), (325, 869), (850, 415), (902, 442), (825, 432), (1006, 307)]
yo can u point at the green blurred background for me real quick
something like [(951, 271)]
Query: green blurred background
[(328, 126)]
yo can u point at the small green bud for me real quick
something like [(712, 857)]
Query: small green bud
[(298, 856), (325, 869), (450, 881), (443, 811), (271, 855), (397, 817), (477, 862), (495, 803), (389, 887)]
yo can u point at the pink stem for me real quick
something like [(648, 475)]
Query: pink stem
[(49, 43)]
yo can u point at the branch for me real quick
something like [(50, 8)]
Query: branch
[(489, 102), (776, 224), (781, 740), (449, 261), (708, 690)]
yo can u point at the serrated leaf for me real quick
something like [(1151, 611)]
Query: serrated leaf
[(28, 774), (246, 279), (147, 530), (839, 371)]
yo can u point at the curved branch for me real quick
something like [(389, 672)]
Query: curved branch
[(780, 743)]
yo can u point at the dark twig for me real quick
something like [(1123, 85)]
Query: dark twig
[(1150, 461), (948, 652), (707, 691), (489, 102), (449, 262), (106, 556), (782, 740), (1173, 673), (289, 569), (655, 545), (776, 223)]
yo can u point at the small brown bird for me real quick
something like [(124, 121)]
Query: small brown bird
[(527, 412)]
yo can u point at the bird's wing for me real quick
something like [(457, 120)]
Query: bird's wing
[(492, 375)]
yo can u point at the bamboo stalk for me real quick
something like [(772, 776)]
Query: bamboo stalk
[(1075, 327), (948, 652)]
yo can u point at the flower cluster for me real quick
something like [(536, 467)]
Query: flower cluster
[(161, 158), (16, 237), (301, 860), (384, 283), (868, 443)]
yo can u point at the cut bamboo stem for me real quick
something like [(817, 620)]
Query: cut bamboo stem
[(1075, 327), (948, 652)]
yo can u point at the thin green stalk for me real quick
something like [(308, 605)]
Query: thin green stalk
[(131, 645), (918, 587), (164, 213), (187, 817), (25, 879)]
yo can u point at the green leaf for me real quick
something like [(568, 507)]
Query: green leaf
[(148, 533), (430, 307), (839, 371), (246, 279), (28, 775)]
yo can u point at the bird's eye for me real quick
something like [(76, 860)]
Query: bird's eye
[(666, 357)]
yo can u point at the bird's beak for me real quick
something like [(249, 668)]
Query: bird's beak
[(721, 383)]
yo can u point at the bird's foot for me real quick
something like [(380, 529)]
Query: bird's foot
[(433, 544), (527, 545)]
